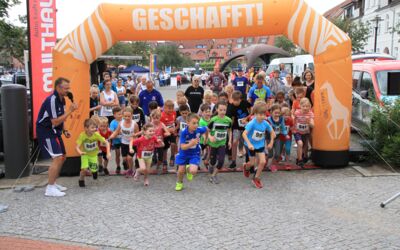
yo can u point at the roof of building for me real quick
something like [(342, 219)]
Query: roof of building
[(337, 11)]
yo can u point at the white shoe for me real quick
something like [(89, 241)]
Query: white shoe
[(53, 191), (61, 188)]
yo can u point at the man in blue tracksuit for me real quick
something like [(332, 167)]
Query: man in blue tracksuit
[(148, 95)]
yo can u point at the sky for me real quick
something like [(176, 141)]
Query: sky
[(72, 13)]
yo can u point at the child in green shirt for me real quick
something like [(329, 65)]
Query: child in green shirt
[(87, 147), (204, 121)]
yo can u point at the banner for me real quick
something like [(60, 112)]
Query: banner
[(42, 34)]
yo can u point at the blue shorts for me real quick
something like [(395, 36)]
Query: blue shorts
[(51, 147), (183, 160)]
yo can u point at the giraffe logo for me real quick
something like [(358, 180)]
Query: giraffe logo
[(338, 112)]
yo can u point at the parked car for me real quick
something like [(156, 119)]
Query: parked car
[(374, 83)]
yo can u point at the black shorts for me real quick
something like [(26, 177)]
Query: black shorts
[(125, 150), (116, 146), (203, 146), (103, 155), (252, 153), (169, 140)]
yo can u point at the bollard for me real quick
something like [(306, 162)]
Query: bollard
[(14, 110)]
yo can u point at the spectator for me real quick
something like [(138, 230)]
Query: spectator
[(141, 85), (309, 82), (283, 71), (148, 95), (195, 94)]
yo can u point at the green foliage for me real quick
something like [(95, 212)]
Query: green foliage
[(357, 31), (288, 46), (384, 133), (4, 6), (207, 65), (130, 49), (168, 55)]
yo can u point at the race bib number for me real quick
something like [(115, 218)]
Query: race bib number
[(240, 84), (108, 108), (147, 154), (183, 125), (220, 136), (277, 130), (242, 122), (171, 125), (90, 146), (126, 132), (136, 118), (302, 127), (258, 135)]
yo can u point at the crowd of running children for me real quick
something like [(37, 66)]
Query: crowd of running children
[(258, 122)]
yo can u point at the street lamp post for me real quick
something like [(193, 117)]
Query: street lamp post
[(377, 19)]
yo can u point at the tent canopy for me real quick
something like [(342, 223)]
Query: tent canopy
[(136, 68)]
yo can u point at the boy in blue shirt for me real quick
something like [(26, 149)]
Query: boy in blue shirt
[(188, 157), (116, 142), (254, 140)]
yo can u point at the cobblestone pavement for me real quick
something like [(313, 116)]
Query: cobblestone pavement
[(315, 209)]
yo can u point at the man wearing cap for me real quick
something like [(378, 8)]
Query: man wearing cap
[(241, 83), (216, 81)]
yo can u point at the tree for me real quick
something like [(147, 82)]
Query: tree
[(130, 49), (13, 39), (285, 44), (168, 55), (357, 31)]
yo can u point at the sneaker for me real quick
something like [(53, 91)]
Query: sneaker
[(81, 183), (94, 174), (171, 161), (210, 169), (257, 183), (216, 179), (118, 170), (300, 163), (146, 181), (106, 172), (136, 176), (246, 172), (232, 165), (211, 179), (273, 168), (52, 191), (165, 169), (129, 173), (189, 176), (179, 186), (125, 165), (61, 188)]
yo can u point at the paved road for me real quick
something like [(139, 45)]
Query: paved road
[(314, 209)]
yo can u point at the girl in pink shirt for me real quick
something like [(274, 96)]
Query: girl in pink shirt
[(303, 122)]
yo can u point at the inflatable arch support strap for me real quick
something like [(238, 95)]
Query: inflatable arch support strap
[(330, 47)]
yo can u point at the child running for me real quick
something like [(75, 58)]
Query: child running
[(188, 158), (87, 148), (204, 121), (287, 141), (116, 142), (128, 129), (168, 117), (145, 145), (220, 131), (277, 122), (160, 131), (105, 132), (254, 140), (303, 122)]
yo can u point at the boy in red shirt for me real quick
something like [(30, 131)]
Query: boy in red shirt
[(145, 146), (102, 156), (168, 117)]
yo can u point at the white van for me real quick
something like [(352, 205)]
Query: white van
[(301, 63), (287, 61)]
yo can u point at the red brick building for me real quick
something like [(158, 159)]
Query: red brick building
[(213, 49)]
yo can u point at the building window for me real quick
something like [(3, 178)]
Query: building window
[(239, 45), (239, 40), (263, 40), (250, 40), (221, 46), (349, 12), (201, 46)]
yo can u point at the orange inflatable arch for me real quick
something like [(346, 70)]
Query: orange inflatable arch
[(296, 20)]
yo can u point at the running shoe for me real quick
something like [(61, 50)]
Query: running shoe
[(189, 176), (165, 169), (300, 163), (94, 174), (125, 165), (216, 179), (179, 186), (81, 183), (136, 176), (171, 161), (53, 191), (246, 172), (118, 170), (232, 165), (59, 187), (106, 172), (273, 168), (257, 183), (129, 173)]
